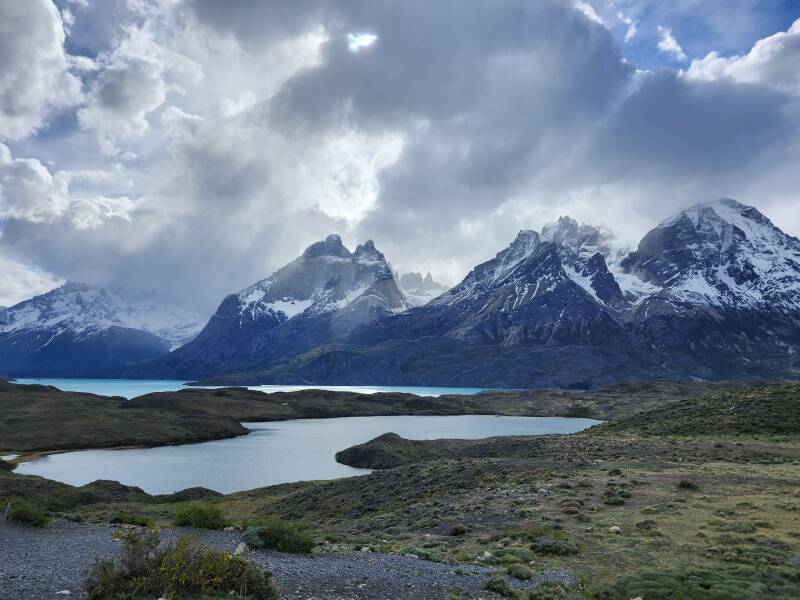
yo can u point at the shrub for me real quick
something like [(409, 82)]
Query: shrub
[(512, 555), (200, 515), (498, 585), (423, 553), (26, 512), (614, 500), (278, 535), (554, 547), (688, 485), (186, 570), (519, 572), (548, 590), (457, 530), (129, 519)]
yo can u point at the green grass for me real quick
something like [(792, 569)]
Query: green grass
[(200, 515), (743, 583)]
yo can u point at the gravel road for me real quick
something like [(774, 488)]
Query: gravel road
[(37, 563)]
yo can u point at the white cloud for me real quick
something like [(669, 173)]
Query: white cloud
[(34, 69), (669, 45), (589, 11), (772, 61), (633, 26), (21, 281), (131, 83), (358, 41), (29, 192)]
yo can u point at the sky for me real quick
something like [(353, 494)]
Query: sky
[(194, 146)]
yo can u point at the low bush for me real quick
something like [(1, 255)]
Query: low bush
[(184, 570), (554, 547), (547, 590), (276, 534), (688, 485), (200, 515), (25, 512), (519, 572), (423, 553), (124, 518), (499, 585), (457, 530), (514, 555)]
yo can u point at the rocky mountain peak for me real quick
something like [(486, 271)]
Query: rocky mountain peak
[(720, 253), (330, 246), (419, 290)]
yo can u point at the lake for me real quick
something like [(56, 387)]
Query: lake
[(275, 452), (131, 388)]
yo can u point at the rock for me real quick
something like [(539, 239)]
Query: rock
[(241, 549), (615, 530), (229, 528), (487, 554), (543, 491), (64, 593), (366, 549)]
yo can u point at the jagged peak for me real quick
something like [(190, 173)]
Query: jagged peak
[(367, 247), (330, 246)]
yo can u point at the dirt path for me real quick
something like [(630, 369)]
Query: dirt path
[(37, 563)]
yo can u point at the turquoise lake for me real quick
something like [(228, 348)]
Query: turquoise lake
[(130, 388)]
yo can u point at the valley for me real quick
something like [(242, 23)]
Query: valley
[(657, 503)]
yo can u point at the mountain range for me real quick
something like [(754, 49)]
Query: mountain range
[(78, 330), (711, 293)]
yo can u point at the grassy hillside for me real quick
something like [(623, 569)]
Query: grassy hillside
[(769, 409)]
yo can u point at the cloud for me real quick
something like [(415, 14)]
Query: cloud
[(633, 26), (29, 192), (130, 84), (590, 12), (235, 134), (34, 69), (669, 45), (772, 61), (21, 281)]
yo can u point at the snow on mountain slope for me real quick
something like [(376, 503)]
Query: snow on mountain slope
[(721, 253), (418, 290), (326, 278), (84, 310)]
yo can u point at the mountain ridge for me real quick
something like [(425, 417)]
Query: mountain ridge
[(708, 293)]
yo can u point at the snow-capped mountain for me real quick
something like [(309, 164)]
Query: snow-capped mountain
[(326, 292), (713, 292), (420, 290), (78, 329), (722, 254)]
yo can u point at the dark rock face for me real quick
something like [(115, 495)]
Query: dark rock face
[(326, 292), (713, 293)]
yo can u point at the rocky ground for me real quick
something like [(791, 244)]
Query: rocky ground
[(45, 563)]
